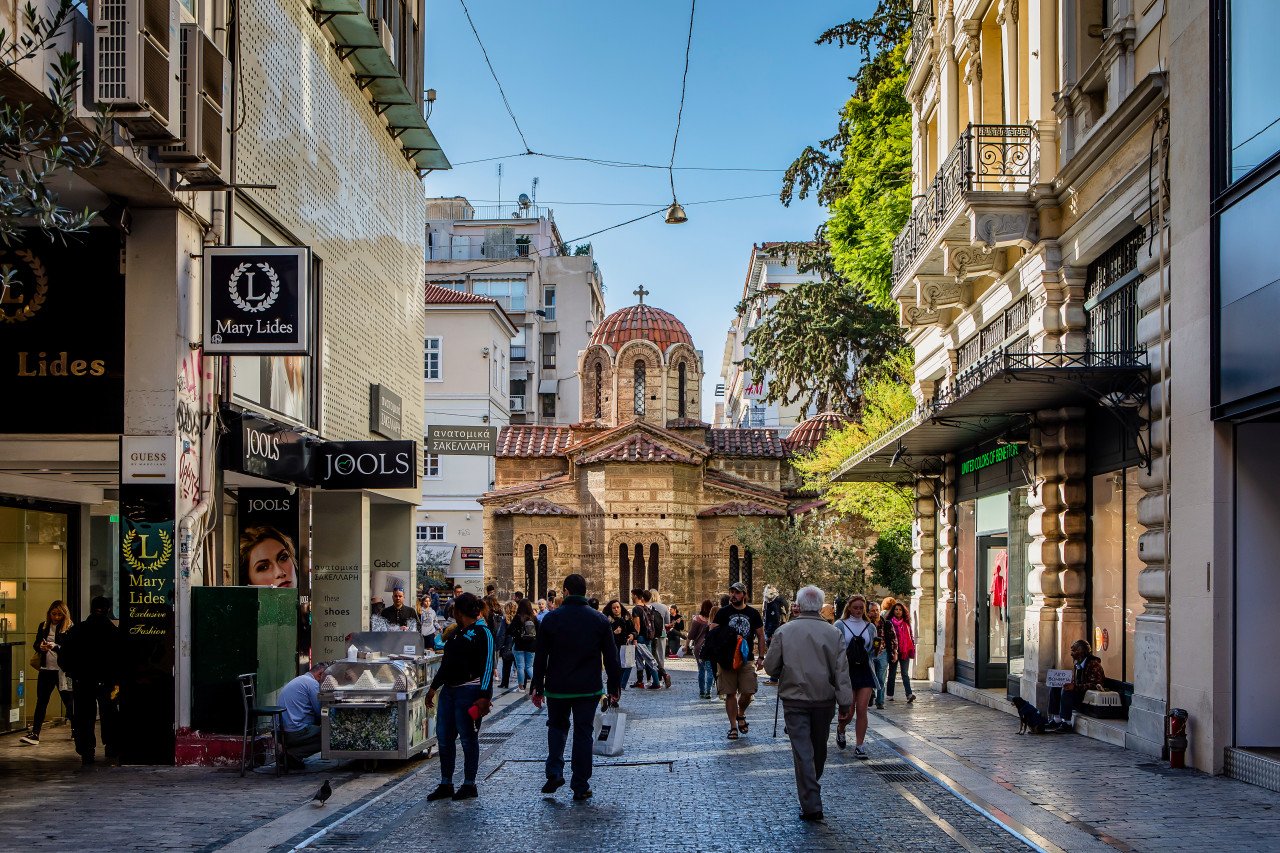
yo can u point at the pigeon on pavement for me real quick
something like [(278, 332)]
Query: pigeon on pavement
[(323, 794)]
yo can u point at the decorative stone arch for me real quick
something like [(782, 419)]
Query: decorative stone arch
[(734, 562), (598, 383), (648, 354), (650, 571), (677, 355), (536, 567)]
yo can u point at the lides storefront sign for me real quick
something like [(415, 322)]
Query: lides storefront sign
[(62, 334), (257, 299)]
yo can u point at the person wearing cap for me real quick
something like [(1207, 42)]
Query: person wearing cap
[(737, 677)]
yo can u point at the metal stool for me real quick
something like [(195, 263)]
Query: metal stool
[(252, 713)]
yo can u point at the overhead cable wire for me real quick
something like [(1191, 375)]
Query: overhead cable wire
[(627, 203), (501, 91), (684, 84), (619, 164)]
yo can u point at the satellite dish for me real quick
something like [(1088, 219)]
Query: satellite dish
[(524, 201)]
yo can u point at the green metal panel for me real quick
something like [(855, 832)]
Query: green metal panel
[(238, 629)]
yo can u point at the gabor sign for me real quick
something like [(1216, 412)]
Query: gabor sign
[(257, 299)]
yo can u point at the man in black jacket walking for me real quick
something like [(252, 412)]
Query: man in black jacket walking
[(91, 656), (574, 641)]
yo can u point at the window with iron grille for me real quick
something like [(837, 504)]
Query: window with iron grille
[(1112, 304)]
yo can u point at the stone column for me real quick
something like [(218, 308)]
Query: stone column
[(973, 69), (944, 649), (1007, 18), (1058, 550), (924, 562), (1146, 714), (948, 81)]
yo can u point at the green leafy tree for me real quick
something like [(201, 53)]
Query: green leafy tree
[(817, 339), (793, 553), (38, 142), (890, 561)]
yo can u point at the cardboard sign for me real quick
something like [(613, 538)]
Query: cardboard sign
[(1057, 678)]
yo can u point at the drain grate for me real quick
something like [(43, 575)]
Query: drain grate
[(898, 775)]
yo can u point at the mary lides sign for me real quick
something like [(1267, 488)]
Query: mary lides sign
[(257, 299)]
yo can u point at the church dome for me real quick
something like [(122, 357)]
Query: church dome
[(810, 433), (641, 322)]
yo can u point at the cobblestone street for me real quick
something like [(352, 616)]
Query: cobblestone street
[(944, 774)]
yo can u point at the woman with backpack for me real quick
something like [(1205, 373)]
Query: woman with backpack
[(697, 639), (904, 649), (862, 642), (524, 630)]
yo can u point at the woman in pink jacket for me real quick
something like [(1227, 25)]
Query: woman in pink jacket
[(904, 650)]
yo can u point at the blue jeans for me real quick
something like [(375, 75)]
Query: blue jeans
[(903, 665), (453, 721), (524, 667), (706, 677), (880, 663), (584, 717)]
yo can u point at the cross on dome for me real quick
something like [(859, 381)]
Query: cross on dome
[(641, 293)]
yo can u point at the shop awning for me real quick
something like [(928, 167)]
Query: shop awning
[(548, 386), (998, 394)]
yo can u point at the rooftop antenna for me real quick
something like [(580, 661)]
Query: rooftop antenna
[(499, 185), (534, 191)]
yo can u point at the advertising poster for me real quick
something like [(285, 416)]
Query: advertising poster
[(272, 549)]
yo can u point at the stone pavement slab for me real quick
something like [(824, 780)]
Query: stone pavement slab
[(1078, 792)]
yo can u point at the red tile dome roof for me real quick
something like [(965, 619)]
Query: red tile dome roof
[(810, 433), (641, 322)]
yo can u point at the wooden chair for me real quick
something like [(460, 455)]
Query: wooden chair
[(253, 713)]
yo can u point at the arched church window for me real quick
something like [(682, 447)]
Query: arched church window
[(681, 371), (748, 574), (542, 571), (653, 567), (624, 573), (638, 388), (734, 569), (530, 573), (599, 390), (637, 567)]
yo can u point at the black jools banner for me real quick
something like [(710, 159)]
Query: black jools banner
[(257, 299), (62, 334)]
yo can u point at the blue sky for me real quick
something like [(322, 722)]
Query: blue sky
[(602, 79)]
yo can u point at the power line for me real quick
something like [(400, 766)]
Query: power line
[(627, 203), (619, 164), (501, 91), (684, 83)]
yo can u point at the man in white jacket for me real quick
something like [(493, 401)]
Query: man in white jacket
[(807, 656)]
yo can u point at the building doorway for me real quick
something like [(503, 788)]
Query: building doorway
[(993, 611)]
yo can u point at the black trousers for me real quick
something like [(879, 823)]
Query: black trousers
[(46, 683), (93, 700)]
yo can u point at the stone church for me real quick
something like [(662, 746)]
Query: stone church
[(640, 492)]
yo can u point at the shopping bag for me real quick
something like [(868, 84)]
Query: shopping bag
[(627, 657), (609, 729), (644, 657)]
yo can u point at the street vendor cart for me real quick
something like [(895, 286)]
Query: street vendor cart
[(375, 706)]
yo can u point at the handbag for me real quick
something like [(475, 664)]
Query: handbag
[(609, 729), (627, 656), (35, 660)]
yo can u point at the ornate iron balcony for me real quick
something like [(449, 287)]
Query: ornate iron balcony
[(921, 29), (986, 158)]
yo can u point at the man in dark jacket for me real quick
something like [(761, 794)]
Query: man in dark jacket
[(91, 656), (574, 642), (400, 614), (466, 676)]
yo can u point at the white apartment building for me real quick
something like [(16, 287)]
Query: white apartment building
[(466, 367), (553, 292), (744, 404)]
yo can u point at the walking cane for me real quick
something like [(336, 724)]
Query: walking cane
[(777, 702)]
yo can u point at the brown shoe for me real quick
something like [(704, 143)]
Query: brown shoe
[(666, 679)]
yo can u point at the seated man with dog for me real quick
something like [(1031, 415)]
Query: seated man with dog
[(1086, 675)]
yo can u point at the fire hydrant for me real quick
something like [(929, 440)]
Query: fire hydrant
[(1176, 738)]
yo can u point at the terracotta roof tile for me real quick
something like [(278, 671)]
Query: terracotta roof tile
[(687, 423), (810, 433), (728, 481), (534, 506), (641, 322), (533, 441), (741, 508), (437, 295), (637, 447), (522, 488), (746, 442)]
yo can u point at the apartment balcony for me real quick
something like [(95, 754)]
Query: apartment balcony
[(921, 32), (976, 206), (489, 247)]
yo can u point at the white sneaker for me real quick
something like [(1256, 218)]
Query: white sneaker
[(30, 740)]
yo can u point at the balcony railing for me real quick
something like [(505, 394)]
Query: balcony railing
[(548, 361), (481, 248), (1016, 357), (986, 158), (921, 29), (461, 210), (1011, 321), (1113, 318)]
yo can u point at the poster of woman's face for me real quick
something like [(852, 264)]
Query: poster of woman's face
[(267, 558)]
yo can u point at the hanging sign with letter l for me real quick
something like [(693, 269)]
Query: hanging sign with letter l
[(257, 299)]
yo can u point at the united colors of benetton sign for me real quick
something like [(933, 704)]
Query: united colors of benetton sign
[(257, 299)]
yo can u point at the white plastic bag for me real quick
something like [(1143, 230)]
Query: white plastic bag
[(609, 730), (627, 657)]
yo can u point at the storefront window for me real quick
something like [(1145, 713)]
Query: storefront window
[(1114, 599), (966, 583), (1254, 64), (1019, 568)]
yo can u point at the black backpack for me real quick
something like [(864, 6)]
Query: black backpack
[(649, 622), (856, 652), (529, 630)]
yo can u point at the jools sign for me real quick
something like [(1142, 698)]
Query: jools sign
[(365, 465), (257, 299)]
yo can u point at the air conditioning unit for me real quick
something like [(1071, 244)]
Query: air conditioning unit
[(136, 65), (385, 36), (201, 152), (516, 404)]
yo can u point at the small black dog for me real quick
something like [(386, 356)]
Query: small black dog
[(1029, 717)]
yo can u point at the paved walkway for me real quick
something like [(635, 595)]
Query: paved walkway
[(944, 775)]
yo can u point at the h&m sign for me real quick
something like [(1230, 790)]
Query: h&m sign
[(257, 300)]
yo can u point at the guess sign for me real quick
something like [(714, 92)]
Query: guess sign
[(365, 465)]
